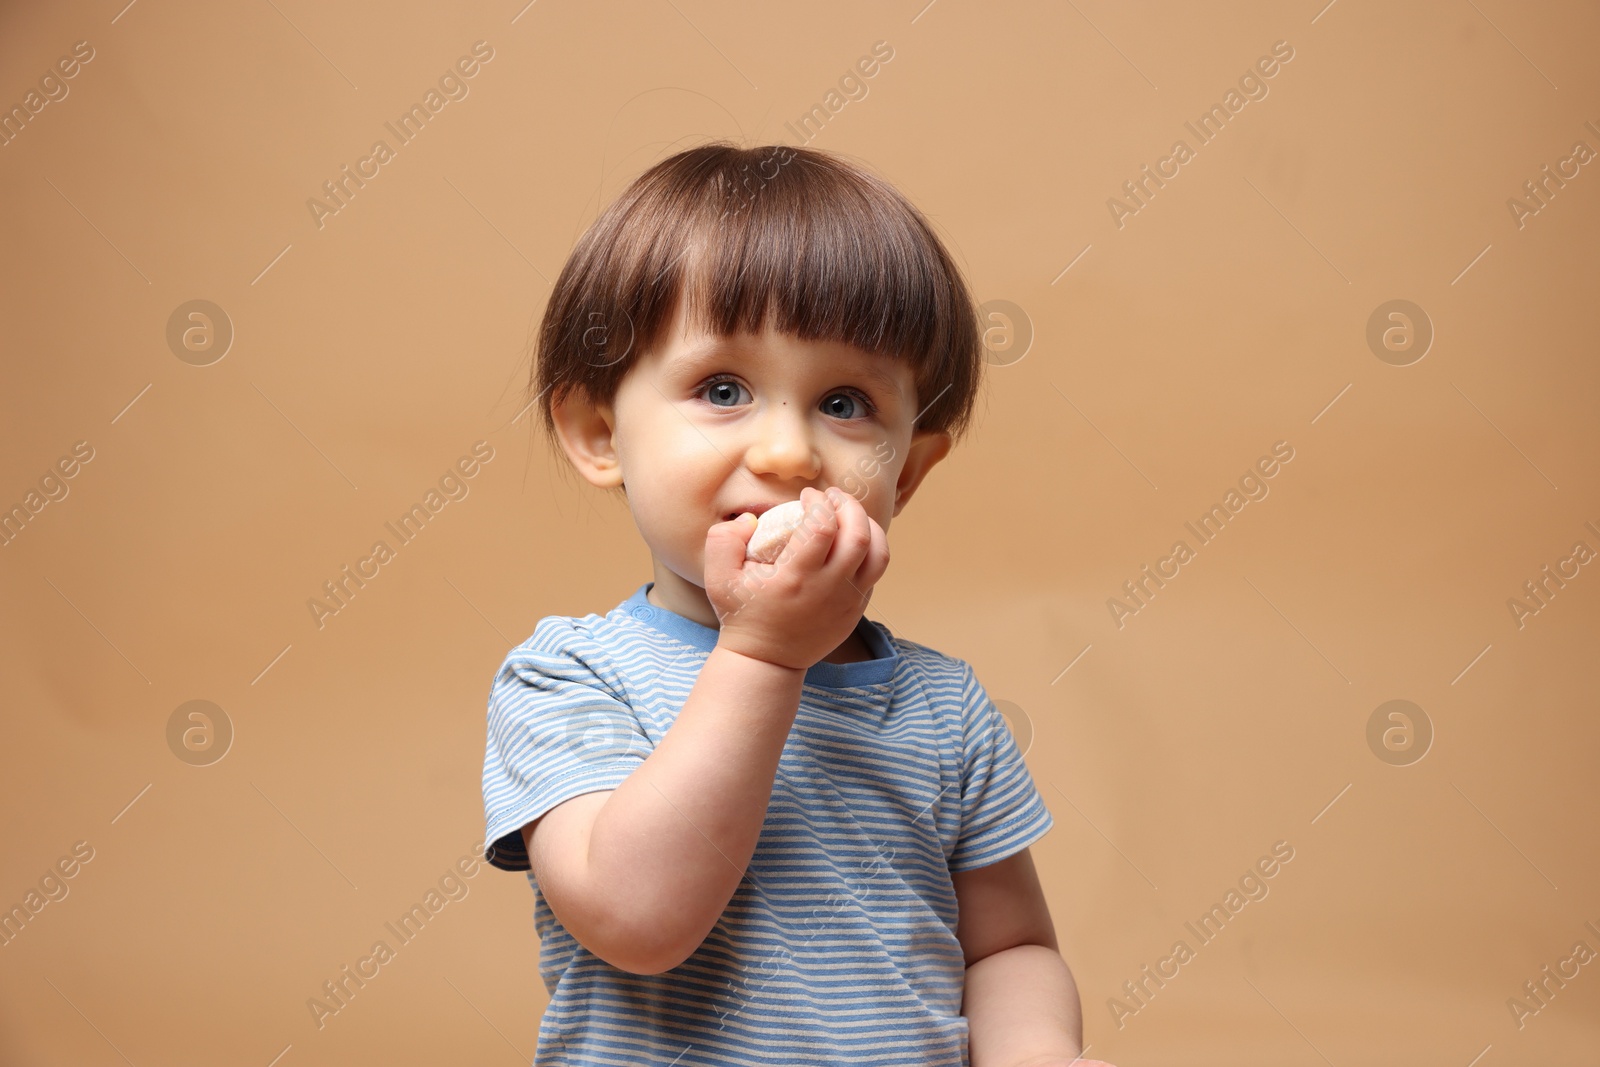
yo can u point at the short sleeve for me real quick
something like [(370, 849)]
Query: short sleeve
[(1001, 809), (558, 727)]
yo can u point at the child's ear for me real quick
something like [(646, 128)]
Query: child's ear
[(927, 448), (587, 431)]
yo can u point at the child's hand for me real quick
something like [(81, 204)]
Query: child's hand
[(797, 610)]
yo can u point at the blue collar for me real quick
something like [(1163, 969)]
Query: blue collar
[(874, 671)]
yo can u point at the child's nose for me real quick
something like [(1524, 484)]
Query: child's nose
[(783, 447)]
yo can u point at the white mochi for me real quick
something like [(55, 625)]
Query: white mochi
[(773, 529)]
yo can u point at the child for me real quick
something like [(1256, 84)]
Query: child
[(759, 827)]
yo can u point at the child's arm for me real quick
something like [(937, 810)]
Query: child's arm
[(640, 874), (1021, 1003)]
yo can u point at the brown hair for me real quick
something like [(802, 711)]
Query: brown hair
[(837, 253)]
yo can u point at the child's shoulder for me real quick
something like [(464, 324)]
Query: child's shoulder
[(580, 638), (555, 632), (927, 661)]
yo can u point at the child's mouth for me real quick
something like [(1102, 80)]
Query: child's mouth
[(756, 509)]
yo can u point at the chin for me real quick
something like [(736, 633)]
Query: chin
[(695, 577)]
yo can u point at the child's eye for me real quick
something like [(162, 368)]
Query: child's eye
[(841, 403), (853, 401), (722, 392)]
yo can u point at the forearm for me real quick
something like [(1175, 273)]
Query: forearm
[(671, 844), (1022, 1009)]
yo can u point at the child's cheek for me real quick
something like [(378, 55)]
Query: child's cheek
[(858, 481)]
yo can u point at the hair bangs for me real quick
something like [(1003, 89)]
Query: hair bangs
[(815, 246)]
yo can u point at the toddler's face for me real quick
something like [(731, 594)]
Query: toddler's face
[(704, 428)]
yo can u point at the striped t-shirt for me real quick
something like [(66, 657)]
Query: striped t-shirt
[(839, 944)]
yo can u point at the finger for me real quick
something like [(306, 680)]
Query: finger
[(854, 538), (725, 546), (809, 543), (818, 525), (877, 560)]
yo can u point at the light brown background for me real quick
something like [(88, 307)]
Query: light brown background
[(1228, 314)]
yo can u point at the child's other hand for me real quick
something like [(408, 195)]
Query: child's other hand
[(799, 609)]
